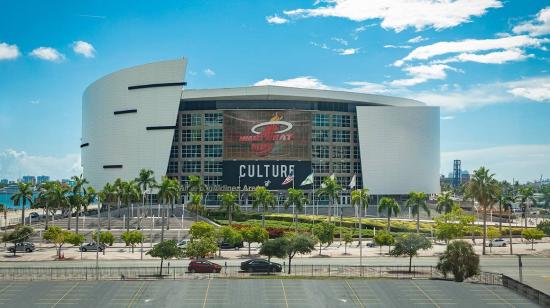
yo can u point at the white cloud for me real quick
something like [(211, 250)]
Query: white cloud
[(8, 52), (401, 14), (496, 57), (48, 54), (524, 162), (340, 40), (422, 73), (366, 87), (84, 48), (307, 82), (209, 72), (397, 46), (14, 164), (536, 89), (35, 102), (417, 39), (447, 118), (347, 51), (539, 26), (276, 20), (470, 46)]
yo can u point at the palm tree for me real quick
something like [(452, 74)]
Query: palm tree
[(360, 199), (89, 197), (483, 188), (263, 198), (44, 197), (146, 180), (23, 194), (331, 189), (118, 190), (229, 204), (130, 193), (506, 200), (298, 200), (59, 197), (78, 189), (195, 204), (165, 194), (391, 206), (108, 195), (196, 184), (417, 202), (445, 203), (4, 210), (546, 196), (526, 198)]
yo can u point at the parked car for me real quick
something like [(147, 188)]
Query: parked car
[(203, 266), (260, 265), (183, 244), (92, 246), (499, 242), (24, 246), (232, 246), (371, 244), (34, 215)]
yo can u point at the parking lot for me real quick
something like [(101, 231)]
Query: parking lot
[(258, 293)]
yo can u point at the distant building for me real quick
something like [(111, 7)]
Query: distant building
[(42, 178), (28, 179), (68, 182), (464, 176), (4, 181)]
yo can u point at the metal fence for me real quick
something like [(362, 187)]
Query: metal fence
[(176, 273)]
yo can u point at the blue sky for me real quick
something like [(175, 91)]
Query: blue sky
[(485, 62)]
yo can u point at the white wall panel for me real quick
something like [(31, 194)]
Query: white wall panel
[(399, 149), (123, 139)]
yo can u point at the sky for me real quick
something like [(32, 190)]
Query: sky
[(485, 62)]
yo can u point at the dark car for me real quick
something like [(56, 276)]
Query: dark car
[(232, 245), (203, 266), (24, 246), (260, 265), (34, 215), (92, 247)]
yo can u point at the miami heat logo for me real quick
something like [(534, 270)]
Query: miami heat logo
[(266, 134)]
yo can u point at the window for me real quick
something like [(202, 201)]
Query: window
[(357, 167), (172, 167), (355, 137), (340, 120), (213, 150), (214, 134), (320, 167), (176, 136), (184, 180), (190, 135), (191, 151), (343, 180), (317, 180), (190, 166), (355, 123), (319, 136), (190, 119), (321, 120), (212, 166), (174, 153), (341, 152), (340, 136), (212, 180), (213, 118), (356, 153), (341, 167), (319, 151)]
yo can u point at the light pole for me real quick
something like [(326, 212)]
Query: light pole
[(98, 236), (520, 268)]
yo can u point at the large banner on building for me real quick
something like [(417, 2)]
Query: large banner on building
[(263, 147)]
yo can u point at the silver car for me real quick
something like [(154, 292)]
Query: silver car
[(92, 246), (499, 242), (24, 246)]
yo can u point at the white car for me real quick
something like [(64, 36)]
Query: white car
[(499, 242), (183, 244)]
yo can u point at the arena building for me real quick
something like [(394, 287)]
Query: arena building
[(239, 138)]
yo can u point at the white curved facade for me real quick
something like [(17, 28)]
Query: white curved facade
[(119, 145), (398, 138)]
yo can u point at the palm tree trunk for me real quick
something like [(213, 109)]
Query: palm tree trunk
[(168, 220), (47, 218), (329, 209), (77, 214), (229, 213), (128, 218), (162, 228), (418, 221), (510, 230), (500, 217), (389, 217), (263, 219), (69, 220), (23, 212), (526, 215), (109, 216), (118, 207), (484, 228), (296, 223)]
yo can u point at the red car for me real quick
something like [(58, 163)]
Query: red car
[(203, 266)]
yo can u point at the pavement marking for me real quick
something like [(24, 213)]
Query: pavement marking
[(355, 294), (498, 296), (284, 293), (427, 296), (138, 292), (66, 293), (206, 293)]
